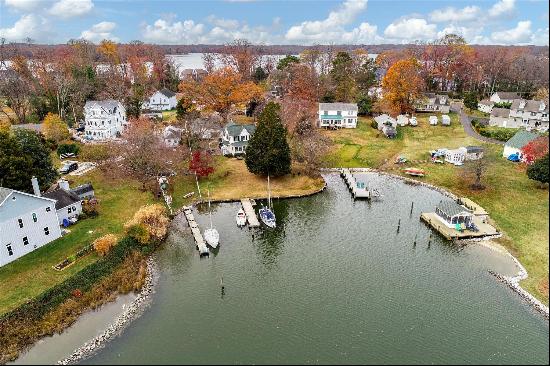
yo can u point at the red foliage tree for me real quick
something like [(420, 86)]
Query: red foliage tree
[(535, 149), (201, 164)]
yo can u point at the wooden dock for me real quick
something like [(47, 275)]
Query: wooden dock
[(250, 213), (450, 233), (358, 189), (199, 240)]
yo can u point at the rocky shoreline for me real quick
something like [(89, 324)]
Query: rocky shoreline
[(511, 282), (132, 311)]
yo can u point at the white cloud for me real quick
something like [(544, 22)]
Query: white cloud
[(100, 31), (411, 29), (469, 33), (166, 31), (521, 34), (71, 8), (502, 8), (540, 37), (331, 28), (23, 5), (223, 23), (28, 26), (452, 14)]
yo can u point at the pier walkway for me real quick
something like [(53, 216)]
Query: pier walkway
[(358, 189), (250, 213), (199, 240)]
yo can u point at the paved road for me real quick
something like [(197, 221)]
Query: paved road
[(467, 124)]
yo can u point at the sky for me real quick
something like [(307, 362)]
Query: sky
[(506, 22)]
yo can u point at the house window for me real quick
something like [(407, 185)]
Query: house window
[(46, 231), (20, 221), (25, 241), (10, 250), (69, 210), (34, 217)]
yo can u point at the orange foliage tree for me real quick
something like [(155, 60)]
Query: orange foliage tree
[(402, 86), (149, 224), (221, 91), (104, 244)]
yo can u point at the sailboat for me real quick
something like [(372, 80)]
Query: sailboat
[(266, 214), (211, 235)]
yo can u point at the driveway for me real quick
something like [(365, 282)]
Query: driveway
[(469, 129)]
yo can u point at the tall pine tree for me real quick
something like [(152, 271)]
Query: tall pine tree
[(268, 151)]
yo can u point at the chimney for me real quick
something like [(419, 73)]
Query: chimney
[(35, 186), (63, 184)]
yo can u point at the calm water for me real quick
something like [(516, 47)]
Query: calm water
[(334, 283)]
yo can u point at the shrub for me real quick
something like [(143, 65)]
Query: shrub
[(68, 149), (539, 170), (104, 244), (98, 152), (149, 224), (89, 208)]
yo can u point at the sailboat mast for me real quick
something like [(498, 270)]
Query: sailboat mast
[(268, 193), (209, 209)]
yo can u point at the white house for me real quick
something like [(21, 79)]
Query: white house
[(27, 222), (518, 142), (485, 105), (338, 115), (172, 136), (432, 102), (104, 119), (433, 120), (68, 204), (161, 100), (234, 138), (531, 114), (500, 117), (504, 97), (402, 120)]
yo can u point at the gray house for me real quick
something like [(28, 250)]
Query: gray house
[(432, 102), (235, 137)]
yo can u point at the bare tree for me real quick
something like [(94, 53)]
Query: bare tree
[(475, 171)]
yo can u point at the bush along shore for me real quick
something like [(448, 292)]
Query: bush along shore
[(122, 270), (512, 282), (131, 312)]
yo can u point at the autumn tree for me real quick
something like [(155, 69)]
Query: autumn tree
[(103, 245), (241, 56), (535, 149), (221, 91), (268, 151), (201, 164), (402, 86), (297, 82), (149, 225), (54, 128), (17, 91)]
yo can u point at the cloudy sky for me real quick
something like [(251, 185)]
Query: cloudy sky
[(275, 22)]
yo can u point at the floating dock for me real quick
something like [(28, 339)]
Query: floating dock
[(250, 213), (432, 219), (358, 188), (199, 240)]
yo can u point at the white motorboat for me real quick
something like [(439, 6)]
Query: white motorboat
[(266, 214), (211, 235), (241, 218)]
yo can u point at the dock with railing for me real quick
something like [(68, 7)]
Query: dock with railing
[(197, 235)]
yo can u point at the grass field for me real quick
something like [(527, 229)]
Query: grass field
[(518, 205)]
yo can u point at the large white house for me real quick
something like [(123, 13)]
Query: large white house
[(104, 119), (529, 114), (27, 222), (338, 115), (504, 97), (234, 138), (161, 100)]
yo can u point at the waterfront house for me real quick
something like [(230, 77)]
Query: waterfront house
[(485, 105), (530, 114), (235, 137), (161, 100), (518, 142), (338, 115), (504, 97), (432, 102), (451, 214), (445, 120), (68, 205), (27, 222), (104, 119)]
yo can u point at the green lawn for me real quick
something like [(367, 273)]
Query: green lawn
[(32, 274), (516, 204), (169, 115)]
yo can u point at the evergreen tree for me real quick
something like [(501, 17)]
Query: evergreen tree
[(268, 151), (539, 170), (342, 77), (286, 61), (470, 101)]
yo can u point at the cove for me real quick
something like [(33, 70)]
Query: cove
[(334, 283)]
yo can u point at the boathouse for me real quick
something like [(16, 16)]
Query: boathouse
[(451, 213)]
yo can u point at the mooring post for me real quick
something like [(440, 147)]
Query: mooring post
[(412, 205), (398, 225), (415, 236)]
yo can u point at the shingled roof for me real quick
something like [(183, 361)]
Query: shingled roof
[(234, 129), (521, 138), (167, 93), (451, 208), (62, 198)]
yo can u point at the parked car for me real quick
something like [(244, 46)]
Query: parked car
[(68, 167)]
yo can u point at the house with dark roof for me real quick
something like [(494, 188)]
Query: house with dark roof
[(68, 205), (338, 115), (500, 117), (235, 137), (504, 97), (161, 100), (451, 213), (27, 222), (485, 105), (432, 102), (84, 191), (518, 142)]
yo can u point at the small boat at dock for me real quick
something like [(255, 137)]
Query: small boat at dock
[(211, 235), (241, 218)]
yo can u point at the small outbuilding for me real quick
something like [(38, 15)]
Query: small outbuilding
[(433, 120), (518, 142), (67, 205), (445, 120), (451, 214), (402, 120)]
